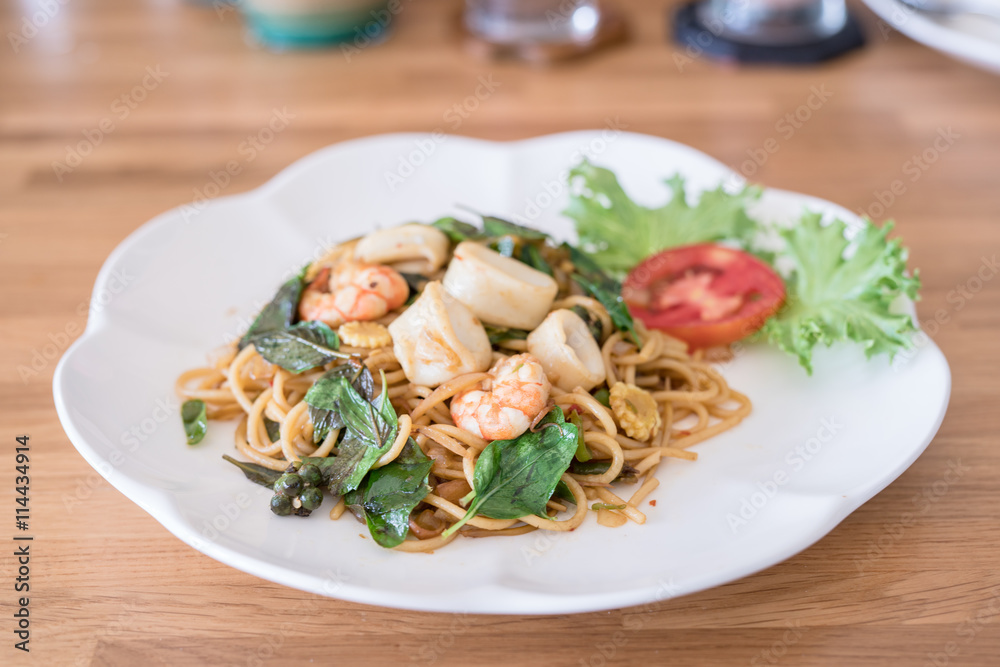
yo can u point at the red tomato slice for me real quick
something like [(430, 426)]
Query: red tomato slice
[(704, 294)]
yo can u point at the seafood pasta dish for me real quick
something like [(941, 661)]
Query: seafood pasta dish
[(451, 380), (478, 380)]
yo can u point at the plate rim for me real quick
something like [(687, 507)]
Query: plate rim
[(163, 508)]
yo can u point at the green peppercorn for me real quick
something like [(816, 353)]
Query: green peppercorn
[(311, 475), (311, 498), (281, 505), (289, 485)]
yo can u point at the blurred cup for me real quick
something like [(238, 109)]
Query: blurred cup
[(532, 21), (296, 24)]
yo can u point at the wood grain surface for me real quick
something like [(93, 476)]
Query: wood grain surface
[(114, 111)]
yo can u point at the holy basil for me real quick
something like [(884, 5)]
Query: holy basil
[(514, 478), (389, 494), (281, 312), (194, 414), (300, 347)]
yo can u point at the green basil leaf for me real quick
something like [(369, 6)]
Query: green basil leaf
[(562, 492), (457, 230), (273, 429), (280, 312), (497, 334), (592, 321), (323, 396), (300, 347), (603, 396), (517, 477), (582, 453), (370, 429), (256, 473), (604, 288), (389, 494), (416, 283), (627, 474), (532, 256), (195, 418), (494, 226)]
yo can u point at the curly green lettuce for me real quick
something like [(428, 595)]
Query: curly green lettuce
[(619, 233), (835, 296), (838, 290)]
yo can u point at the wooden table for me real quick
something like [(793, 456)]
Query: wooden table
[(158, 95)]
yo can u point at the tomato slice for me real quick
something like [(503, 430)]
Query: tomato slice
[(704, 294)]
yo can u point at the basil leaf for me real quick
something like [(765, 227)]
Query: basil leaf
[(457, 230), (280, 312), (517, 477), (416, 283), (273, 429), (562, 492), (300, 347), (603, 396), (195, 418), (494, 226), (582, 453), (256, 473), (497, 334), (604, 288), (592, 321), (627, 474), (389, 494), (322, 397), (532, 256), (370, 429)]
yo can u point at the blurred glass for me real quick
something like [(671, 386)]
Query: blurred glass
[(773, 22), (533, 21)]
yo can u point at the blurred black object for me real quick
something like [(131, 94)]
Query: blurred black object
[(772, 31)]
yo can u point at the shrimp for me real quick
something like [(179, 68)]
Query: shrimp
[(505, 404), (353, 291)]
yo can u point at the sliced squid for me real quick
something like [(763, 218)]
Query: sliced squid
[(437, 338), (567, 351), (415, 248), (499, 290)]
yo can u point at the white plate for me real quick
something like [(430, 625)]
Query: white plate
[(969, 37), (193, 279)]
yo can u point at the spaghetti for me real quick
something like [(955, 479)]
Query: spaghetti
[(693, 402)]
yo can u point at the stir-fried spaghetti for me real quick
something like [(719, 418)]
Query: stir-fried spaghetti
[(688, 402)]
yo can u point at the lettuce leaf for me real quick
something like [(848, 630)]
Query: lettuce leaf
[(619, 233), (834, 297)]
